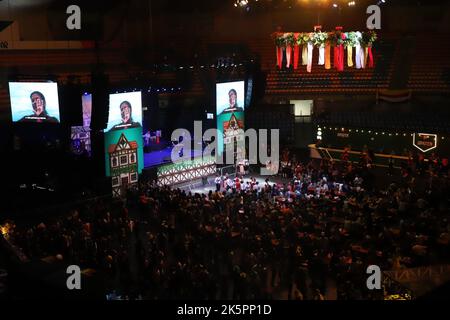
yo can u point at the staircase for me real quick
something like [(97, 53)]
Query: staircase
[(402, 63)]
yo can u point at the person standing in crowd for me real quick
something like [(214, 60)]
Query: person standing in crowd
[(217, 181), (229, 244), (391, 166), (237, 183), (229, 183)]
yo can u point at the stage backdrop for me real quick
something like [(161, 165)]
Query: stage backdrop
[(124, 158), (86, 102), (230, 107), (119, 118), (43, 106)]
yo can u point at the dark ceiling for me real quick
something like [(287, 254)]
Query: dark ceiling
[(218, 6)]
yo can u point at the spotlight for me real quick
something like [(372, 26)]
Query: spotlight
[(241, 3), (351, 3), (335, 5)]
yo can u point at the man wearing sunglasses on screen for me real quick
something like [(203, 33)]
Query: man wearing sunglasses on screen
[(39, 112), (127, 119)]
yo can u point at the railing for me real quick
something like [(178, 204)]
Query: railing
[(186, 171), (230, 170), (327, 152)]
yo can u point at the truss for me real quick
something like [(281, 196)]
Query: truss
[(190, 170)]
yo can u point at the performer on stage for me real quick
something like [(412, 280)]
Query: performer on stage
[(147, 138)]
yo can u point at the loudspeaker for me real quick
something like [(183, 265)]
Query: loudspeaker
[(100, 101), (71, 108), (248, 98)]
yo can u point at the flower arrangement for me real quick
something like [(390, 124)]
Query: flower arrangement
[(319, 39), (303, 38), (368, 38), (351, 39), (280, 41), (336, 38), (289, 38)]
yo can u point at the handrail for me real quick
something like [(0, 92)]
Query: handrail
[(229, 166), (381, 155), (328, 153)]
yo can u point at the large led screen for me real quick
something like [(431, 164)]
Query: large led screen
[(125, 111), (124, 154), (34, 102), (230, 113)]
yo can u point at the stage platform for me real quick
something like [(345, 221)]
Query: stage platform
[(199, 187), (159, 157)]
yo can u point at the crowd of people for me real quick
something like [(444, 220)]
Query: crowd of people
[(311, 236)]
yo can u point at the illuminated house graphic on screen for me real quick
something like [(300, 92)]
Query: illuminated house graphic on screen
[(81, 140), (231, 128), (233, 131), (124, 165)]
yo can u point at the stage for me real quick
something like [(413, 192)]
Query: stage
[(211, 186), (162, 156)]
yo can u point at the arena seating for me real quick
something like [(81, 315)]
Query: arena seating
[(430, 70), (55, 62), (288, 81), (431, 67), (4, 96), (411, 122)]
